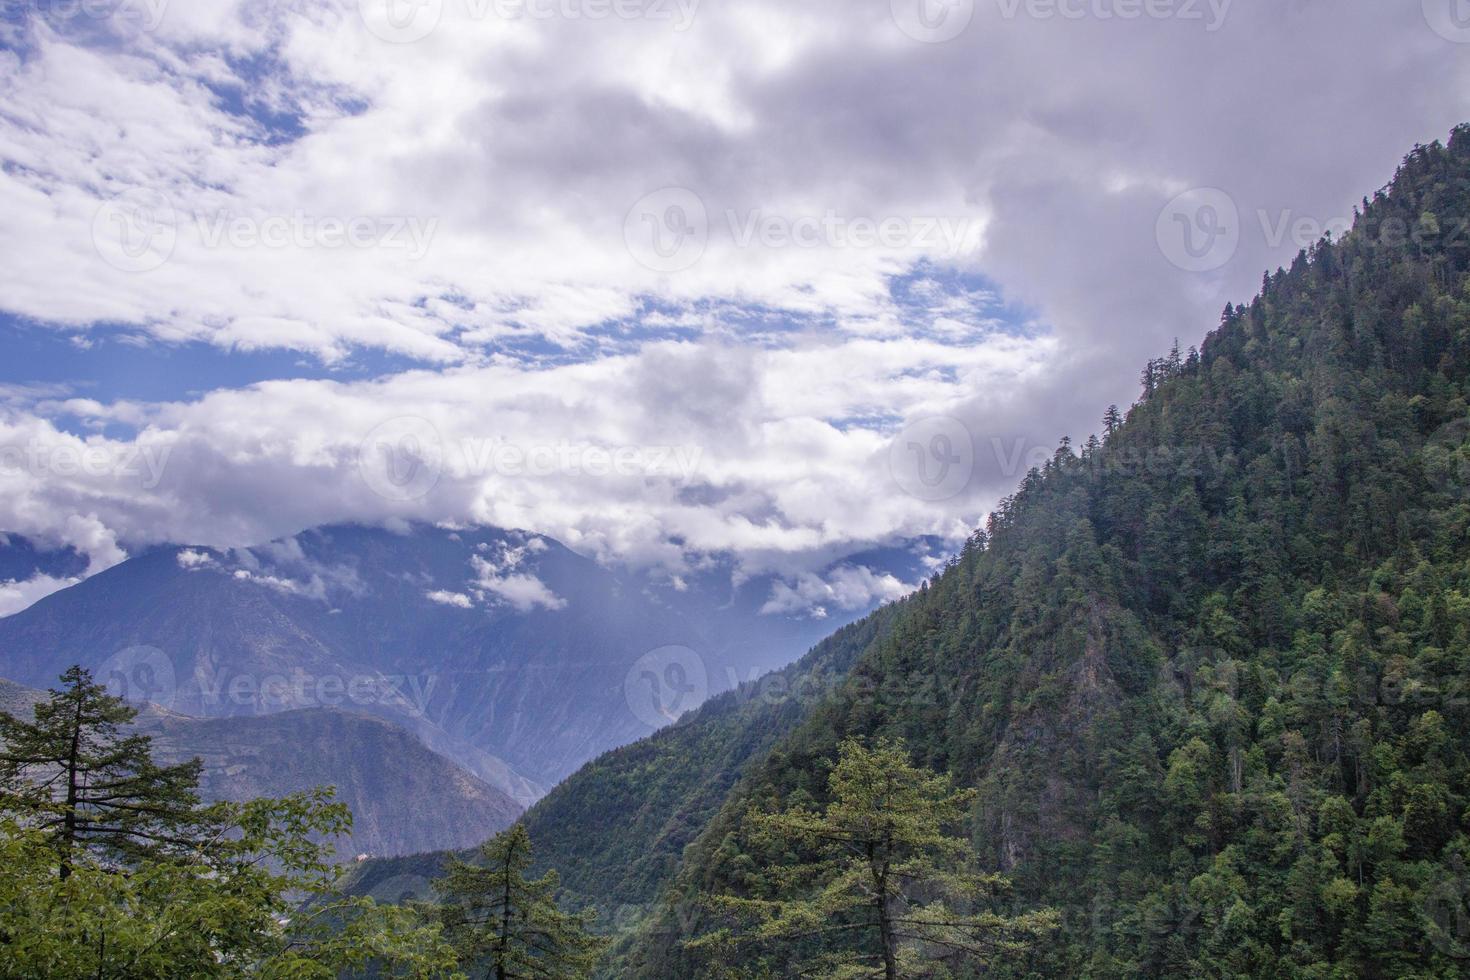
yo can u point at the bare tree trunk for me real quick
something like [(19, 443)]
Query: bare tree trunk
[(69, 820), (500, 973)]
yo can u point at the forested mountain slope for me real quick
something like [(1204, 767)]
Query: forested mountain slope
[(1209, 673), (616, 828)]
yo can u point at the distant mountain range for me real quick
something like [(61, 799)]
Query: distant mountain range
[(505, 651), (404, 798)]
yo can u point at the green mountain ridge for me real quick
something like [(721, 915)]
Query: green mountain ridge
[(1198, 671), (616, 828), (1207, 672)]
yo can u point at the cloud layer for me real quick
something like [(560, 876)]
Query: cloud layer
[(677, 277)]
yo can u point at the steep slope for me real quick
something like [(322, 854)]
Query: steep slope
[(645, 802), (29, 571), (404, 798), (1208, 673), (616, 828), (504, 650)]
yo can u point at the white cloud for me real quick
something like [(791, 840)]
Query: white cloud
[(192, 560), (846, 587), (15, 596), (507, 226), (781, 455), (450, 599), (522, 590), (509, 154)]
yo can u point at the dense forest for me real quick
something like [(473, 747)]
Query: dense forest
[(1206, 672)]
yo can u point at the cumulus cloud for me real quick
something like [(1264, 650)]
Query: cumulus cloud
[(687, 292), (501, 578), (778, 452), (15, 596), (191, 560), (263, 132), (450, 599), (846, 587)]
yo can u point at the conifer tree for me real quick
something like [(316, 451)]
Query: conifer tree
[(114, 868), (881, 888), (73, 774), (508, 927)]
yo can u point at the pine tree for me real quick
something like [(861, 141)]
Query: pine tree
[(72, 774), (884, 890), (510, 926)]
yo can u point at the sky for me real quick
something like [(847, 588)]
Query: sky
[(658, 278)]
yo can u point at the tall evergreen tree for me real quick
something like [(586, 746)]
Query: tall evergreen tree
[(874, 884), (508, 926), (73, 774), (113, 868)]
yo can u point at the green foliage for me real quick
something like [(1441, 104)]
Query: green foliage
[(873, 883), (650, 799), (1207, 674), (507, 925), (73, 775), (113, 869)]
